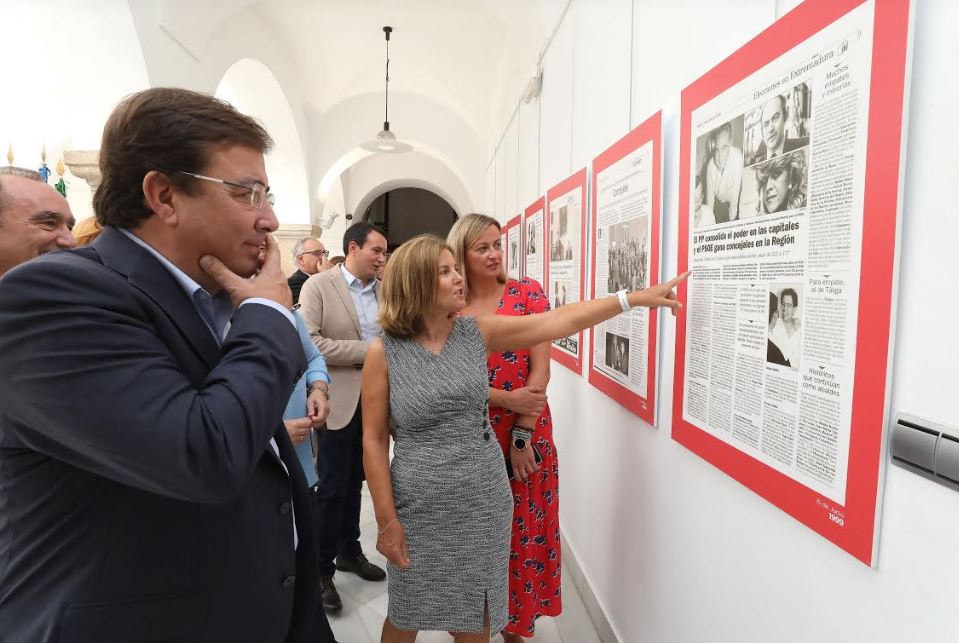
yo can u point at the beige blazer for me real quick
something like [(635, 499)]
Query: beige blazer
[(330, 316)]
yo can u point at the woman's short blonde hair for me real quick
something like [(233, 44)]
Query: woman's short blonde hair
[(409, 285), (463, 234), (86, 231)]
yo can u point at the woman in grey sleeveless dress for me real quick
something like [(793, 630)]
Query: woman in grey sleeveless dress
[(444, 508), (449, 484)]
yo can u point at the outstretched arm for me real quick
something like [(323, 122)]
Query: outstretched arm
[(502, 333)]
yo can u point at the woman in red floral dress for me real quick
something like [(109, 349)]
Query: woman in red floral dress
[(518, 407)]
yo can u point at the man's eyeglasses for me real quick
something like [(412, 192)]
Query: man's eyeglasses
[(319, 254), (258, 193)]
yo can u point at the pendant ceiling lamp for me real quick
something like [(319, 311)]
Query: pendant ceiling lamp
[(386, 142)]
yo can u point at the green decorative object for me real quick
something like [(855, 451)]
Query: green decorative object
[(61, 185)]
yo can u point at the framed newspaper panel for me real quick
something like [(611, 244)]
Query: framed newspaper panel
[(624, 232), (513, 251), (565, 230), (534, 238), (790, 178)]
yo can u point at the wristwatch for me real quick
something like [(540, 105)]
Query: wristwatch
[(521, 435), (319, 385)]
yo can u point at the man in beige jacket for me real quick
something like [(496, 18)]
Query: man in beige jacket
[(340, 307)]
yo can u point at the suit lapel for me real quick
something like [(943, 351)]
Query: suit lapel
[(145, 273), (339, 283)]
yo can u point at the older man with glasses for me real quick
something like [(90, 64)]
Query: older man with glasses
[(310, 257)]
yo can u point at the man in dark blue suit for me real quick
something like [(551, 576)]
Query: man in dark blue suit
[(148, 488)]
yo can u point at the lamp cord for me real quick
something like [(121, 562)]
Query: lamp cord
[(386, 124)]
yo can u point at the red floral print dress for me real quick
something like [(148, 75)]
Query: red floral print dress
[(534, 561)]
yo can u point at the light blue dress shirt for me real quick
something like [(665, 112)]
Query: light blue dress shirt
[(296, 407), (364, 300)]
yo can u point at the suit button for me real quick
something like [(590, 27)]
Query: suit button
[(285, 508), (288, 582), (486, 436)]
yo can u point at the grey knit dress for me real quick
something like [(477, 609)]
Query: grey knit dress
[(450, 487)]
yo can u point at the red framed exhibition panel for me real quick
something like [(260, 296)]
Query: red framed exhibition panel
[(649, 132), (852, 525), (572, 361), (534, 210)]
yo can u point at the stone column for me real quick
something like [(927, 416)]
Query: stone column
[(84, 164)]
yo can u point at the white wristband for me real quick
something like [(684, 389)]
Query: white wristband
[(623, 301)]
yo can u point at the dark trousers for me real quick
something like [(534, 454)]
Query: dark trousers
[(322, 633), (339, 466)]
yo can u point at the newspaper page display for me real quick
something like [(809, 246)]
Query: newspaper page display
[(534, 239), (626, 205), (775, 181), (566, 204), (515, 253)]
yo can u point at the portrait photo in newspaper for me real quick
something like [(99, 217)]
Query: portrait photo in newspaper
[(783, 339), (781, 124), (617, 353), (777, 185), (560, 289), (531, 239), (718, 175)]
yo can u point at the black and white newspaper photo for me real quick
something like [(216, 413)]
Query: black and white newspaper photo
[(535, 254), (624, 192), (775, 245), (565, 221)]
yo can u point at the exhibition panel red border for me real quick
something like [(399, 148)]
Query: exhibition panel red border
[(537, 206), (649, 130), (857, 533), (577, 180), (509, 225)]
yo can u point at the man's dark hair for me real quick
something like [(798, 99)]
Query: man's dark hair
[(358, 233), (789, 291), (11, 170), (169, 130), (782, 104), (773, 306)]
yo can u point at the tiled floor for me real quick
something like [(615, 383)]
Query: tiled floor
[(364, 604)]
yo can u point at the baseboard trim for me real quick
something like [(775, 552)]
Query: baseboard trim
[(590, 602)]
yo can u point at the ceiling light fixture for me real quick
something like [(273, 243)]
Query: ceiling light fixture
[(386, 142)]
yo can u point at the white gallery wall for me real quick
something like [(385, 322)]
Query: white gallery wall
[(674, 550)]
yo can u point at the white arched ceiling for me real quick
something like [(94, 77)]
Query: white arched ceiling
[(431, 127), (451, 63), (253, 90)]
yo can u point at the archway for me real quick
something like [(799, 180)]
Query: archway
[(406, 212), (250, 86)]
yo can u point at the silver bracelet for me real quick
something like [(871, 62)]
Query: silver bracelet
[(623, 301)]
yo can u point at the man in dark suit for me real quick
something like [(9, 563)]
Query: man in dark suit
[(148, 488), (772, 122), (310, 257)]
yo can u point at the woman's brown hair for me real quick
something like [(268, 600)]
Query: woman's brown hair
[(409, 285)]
